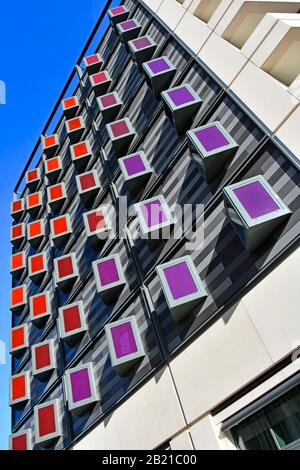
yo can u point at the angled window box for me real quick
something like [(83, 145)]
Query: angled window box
[(53, 168), (50, 144), (18, 264), (17, 235), (75, 128), (109, 277), (33, 179), (17, 209), (21, 440), (125, 346), (97, 225), (66, 271), (34, 203), (36, 232), (136, 171), (19, 390), (88, 186), (93, 63), (81, 388), (118, 14), (40, 308), (255, 210), (18, 298), (109, 106), (142, 49), (159, 74), (71, 322), (128, 29), (182, 286), (37, 267), (100, 82), (47, 422), (70, 106), (121, 134), (81, 154), (19, 340), (60, 229), (43, 359), (155, 219), (211, 146), (56, 196), (181, 105)]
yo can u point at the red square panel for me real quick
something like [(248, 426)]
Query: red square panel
[(39, 305), (87, 181), (33, 200), (80, 149), (65, 267), (74, 124), (56, 192), (19, 442), (46, 420), (42, 356), (69, 102), (37, 263), (96, 221), (32, 175), (117, 10), (17, 295), (16, 206), (52, 164), (35, 229), (18, 387), (93, 59), (17, 260), (18, 337), (60, 225), (49, 141), (99, 78), (17, 231), (71, 317)]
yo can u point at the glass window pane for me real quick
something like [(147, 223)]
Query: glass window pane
[(254, 434)]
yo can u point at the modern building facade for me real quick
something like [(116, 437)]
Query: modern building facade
[(172, 323)]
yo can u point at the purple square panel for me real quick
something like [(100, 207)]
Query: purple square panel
[(153, 213), (211, 138), (108, 100), (127, 25), (108, 272), (158, 66), (123, 339), (180, 280), (80, 384), (134, 165), (181, 96), (141, 43), (255, 199)]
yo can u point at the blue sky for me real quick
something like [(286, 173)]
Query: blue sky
[(39, 44)]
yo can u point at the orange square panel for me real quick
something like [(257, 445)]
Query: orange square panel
[(70, 106), (34, 203), (37, 266), (18, 298), (40, 307), (50, 144), (60, 229), (53, 168), (57, 196), (36, 232), (81, 154), (18, 263)]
